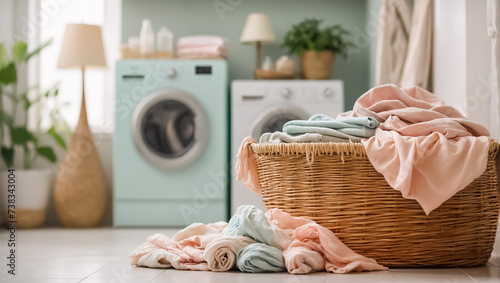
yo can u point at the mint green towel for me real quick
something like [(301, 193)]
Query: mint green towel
[(252, 222), (349, 128), (260, 257), (279, 137)]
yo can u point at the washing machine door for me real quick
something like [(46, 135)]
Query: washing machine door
[(273, 118), (170, 129)]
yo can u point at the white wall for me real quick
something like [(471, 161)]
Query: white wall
[(462, 61)]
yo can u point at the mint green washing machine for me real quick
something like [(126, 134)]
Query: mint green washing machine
[(170, 147)]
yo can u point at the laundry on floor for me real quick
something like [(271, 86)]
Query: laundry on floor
[(202, 47), (322, 128), (253, 241)]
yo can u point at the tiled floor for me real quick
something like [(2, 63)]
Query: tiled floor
[(100, 255)]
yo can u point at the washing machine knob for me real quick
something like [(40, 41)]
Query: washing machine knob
[(286, 93), (171, 73), (328, 92)]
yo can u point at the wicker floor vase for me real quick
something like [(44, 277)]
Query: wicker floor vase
[(335, 185)]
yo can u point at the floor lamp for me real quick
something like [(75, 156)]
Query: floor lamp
[(80, 194)]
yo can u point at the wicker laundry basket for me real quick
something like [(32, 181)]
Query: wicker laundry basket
[(335, 185)]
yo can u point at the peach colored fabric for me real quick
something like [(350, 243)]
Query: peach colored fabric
[(426, 150), (202, 50), (252, 222), (246, 169), (197, 40), (199, 229), (161, 251), (217, 251), (221, 253), (315, 248), (211, 251)]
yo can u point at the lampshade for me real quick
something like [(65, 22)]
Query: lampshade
[(257, 28), (82, 47)]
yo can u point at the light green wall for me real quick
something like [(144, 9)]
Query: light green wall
[(372, 10), (191, 17)]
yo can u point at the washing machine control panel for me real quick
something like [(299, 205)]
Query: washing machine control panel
[(171, 73), (326, 93)]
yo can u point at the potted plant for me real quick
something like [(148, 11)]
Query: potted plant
[(317, 47), (32, 187)]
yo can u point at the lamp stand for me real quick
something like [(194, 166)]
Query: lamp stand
[(80, 193), (257, 59)]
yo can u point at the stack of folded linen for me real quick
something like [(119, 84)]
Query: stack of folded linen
[(253, 242), (202, 47), (321, 128)]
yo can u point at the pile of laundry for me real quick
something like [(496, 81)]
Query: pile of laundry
[(202, 47), (253, 242), (321, 128), (425, 149)]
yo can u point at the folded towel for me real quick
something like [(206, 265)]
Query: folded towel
[(221, 253), (197, 40), (251, 221), (354, 128), (201, 57), (309, 235), (260, 257), (206, 50), (246, 169), (425, 149), (280, 137), (341, 123), (321, 128)]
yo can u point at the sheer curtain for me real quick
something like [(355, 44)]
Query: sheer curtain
[(493, 21), (404, 46)]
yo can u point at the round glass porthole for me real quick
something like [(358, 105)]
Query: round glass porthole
[(274, 118), (170, 129)]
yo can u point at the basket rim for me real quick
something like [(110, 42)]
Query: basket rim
[(330, 148)]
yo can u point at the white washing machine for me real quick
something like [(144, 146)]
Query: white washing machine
[(265, 106)]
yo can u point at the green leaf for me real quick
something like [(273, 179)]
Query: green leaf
[(38, 50), (57, 137), (20, 135), (6, 118), (8, 156), (4, 59), (19, 50), (47, 152), (308, 36), (27, 103), (8, 74)]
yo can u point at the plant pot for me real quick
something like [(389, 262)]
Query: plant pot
[(317, 65), (32, 191)]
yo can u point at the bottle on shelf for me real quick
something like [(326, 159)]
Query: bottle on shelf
[(164, 44), (134, 44), (147, 39)]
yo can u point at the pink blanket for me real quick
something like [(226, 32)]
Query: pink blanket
[(425, 149), (203, 50), (315, 248), (246, 169), (197, 40)]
